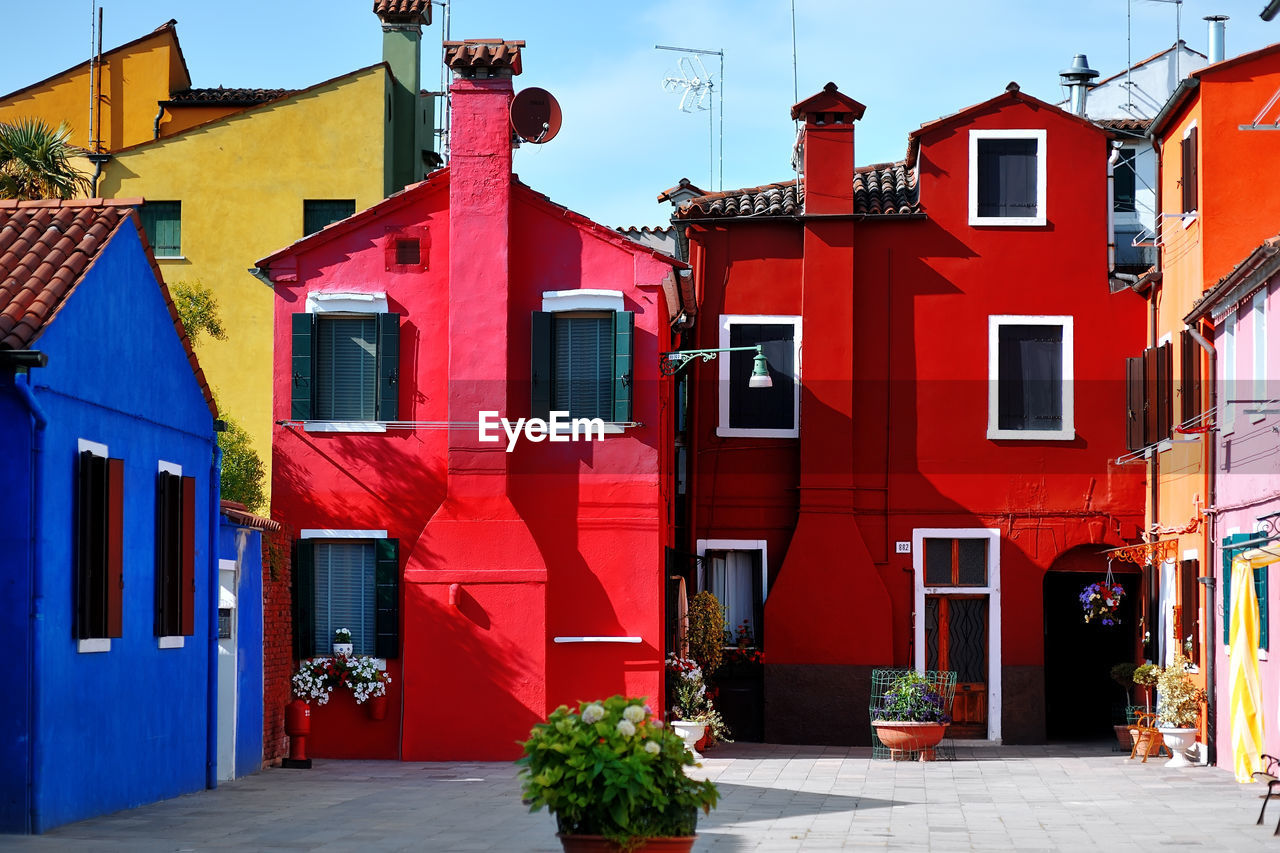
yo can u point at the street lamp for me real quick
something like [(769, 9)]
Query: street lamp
[(671, 363)]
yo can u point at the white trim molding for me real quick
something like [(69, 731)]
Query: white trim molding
[(346, 302), (728, 320), (326, 533), (343, 426), (598, 639), (1040, 135), (169, 468), (991, 590), (94, 447), (1067, 324), (173, 642), (93, 644), (761, 545), (585, 299)]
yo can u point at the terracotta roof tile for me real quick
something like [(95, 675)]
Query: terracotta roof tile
[(227, 97), (483, 53), (1129, 125), (46, 247), (884, 189), (403, 11)]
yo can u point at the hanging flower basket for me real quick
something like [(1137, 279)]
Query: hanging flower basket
[(1101, 602)]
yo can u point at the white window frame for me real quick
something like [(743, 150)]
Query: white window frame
[(1041, 136), (992, 591), (584, 299), (93, 644), (1067, 324), (1229, 392), (1258, 334), (350, 303), (726, 322), (761, 545)]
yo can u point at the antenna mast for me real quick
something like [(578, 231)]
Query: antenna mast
[(698, 87)]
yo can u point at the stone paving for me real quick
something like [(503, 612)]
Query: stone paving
[(773, 798)]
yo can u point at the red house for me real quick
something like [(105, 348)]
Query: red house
[(931, 480), (498, 577)]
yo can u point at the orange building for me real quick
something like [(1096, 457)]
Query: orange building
[(1213, 209)]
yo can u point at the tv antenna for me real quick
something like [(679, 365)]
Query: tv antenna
[(698, 90)]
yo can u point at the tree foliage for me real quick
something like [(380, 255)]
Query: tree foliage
[(198, 308), (706, 631), (35, 162)]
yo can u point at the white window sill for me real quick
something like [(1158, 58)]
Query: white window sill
[(96, 644), (598, 640), (1188, 218), (1164, 444), (171, 642), (1007, 221), (343, 426), (742, 432), (1031, 434), (171, 257)]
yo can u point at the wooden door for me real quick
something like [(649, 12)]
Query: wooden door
[(956, 639)]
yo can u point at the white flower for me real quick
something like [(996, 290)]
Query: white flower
[(634, 713), (652, 747), (592, 714), (626, 728)]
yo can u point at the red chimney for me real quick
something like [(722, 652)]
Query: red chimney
[(828, 150)]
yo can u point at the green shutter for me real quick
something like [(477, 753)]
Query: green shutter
[(304, 598), (386, 586), (623, 332), (303, 327), (388, 367), (540, 366), (1260, 584), (162, 221)]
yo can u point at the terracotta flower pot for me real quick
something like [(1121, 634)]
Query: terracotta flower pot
[(906, 737), (600, 844)]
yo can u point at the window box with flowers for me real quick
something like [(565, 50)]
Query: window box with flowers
[(366, 678)]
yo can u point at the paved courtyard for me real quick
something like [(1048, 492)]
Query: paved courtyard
[(780, 798)]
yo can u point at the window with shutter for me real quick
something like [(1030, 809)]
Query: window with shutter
[(581, 363), (175, 553), (1232, 547), (317, 213), (1031, 367), (1190, 408), (1007, 177), (1189, 609), (99, 544), (760, 412), (345, 367), (162, 222), (736, 579), (1136, 407), (352, 584), (1190, 170)]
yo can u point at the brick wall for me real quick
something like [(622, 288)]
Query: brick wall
[(277, 644)]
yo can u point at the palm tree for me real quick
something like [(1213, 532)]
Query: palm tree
[(35, 162)]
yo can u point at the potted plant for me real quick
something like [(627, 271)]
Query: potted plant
[(1101, 601), (1145, 676), (912, 717), (1122, 674), (693, 712), (342, 641), (1179, 708), (614, 778)]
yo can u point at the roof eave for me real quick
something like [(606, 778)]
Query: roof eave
[(1175, 103)]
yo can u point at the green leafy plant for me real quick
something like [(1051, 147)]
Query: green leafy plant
[(35, 162), (342, 635), (913, 698), (1145, 676), (244, 477), (706, 631), (1122, 674), (1180, 697), (198, 309), (611, 768)]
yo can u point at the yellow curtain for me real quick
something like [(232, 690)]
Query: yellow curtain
[(1246, 692)]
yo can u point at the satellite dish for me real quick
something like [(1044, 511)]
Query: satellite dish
[(535, 115)]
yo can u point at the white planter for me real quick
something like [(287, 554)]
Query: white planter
[(692, 733), (1178, 741), (342, 648)]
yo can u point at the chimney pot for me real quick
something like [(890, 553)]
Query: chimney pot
[(1217, 37)]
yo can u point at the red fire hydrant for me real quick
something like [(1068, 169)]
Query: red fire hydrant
[(297, 725)]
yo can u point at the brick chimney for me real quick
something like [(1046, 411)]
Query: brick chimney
[(412, 127), (828, 150)]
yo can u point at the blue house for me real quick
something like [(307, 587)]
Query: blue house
[(110, 508)]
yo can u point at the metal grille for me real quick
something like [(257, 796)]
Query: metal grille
[(882, 679)]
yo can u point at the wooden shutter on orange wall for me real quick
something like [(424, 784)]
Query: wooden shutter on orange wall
[(1136, 404)]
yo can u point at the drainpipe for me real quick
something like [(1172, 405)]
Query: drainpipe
[(1210, 578), (155, 127), (1111, 208), (98, 159), (35, 751), (211, 701)]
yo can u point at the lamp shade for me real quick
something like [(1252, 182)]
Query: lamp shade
[(760, 371)]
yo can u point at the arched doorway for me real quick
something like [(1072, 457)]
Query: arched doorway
[(1081, 700)]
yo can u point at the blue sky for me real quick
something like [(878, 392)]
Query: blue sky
[(624, 140)]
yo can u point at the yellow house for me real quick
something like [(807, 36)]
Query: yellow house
[(232, 175)]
